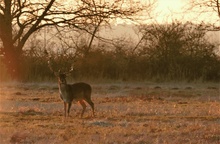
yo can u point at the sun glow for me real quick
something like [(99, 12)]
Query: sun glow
[(169, 10), (169, 6), (163, 11)]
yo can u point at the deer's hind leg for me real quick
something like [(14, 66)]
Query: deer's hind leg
[(69, 106), (89, 101), (84, 107), (64, 104)]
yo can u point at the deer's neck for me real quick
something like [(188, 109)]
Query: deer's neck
[(62, 87), (64, 92)]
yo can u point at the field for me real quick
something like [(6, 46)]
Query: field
[(130, 113)]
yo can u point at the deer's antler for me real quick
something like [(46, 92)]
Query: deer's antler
[(49, 62), (50, 66)]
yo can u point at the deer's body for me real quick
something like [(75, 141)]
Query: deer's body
[(80, 92), (74, 92)]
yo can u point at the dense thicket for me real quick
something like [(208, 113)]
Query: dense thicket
[(174, 51)]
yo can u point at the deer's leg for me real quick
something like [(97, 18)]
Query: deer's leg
[(64, 108), (92, 106), (84, 107), (69, 106)]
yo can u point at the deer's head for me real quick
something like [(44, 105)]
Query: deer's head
[(62, 78), (60, 75)]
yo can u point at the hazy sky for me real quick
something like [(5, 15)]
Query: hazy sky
[(176, 9), (170, 5), (168, 8)]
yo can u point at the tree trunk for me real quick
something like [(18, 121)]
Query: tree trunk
[(13, 62), (12, 54)]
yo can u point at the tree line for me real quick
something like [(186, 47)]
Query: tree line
[(176, 51)]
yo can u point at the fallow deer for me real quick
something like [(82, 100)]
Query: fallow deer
[(80, 92)]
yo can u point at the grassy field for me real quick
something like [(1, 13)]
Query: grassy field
[(131, 113)]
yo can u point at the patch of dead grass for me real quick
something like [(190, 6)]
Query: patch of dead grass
[(124, 114)]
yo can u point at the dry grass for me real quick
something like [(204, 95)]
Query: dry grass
[(143, 113)]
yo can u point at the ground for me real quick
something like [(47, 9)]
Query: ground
[(130, 113)]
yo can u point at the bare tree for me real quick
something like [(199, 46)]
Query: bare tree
[(207, 6), (213, 5), (19, 19)]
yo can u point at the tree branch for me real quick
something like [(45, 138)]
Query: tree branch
[(34, 27)]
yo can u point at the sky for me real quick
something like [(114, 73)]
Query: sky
[(169, 10), (163, 9), (167, 6)]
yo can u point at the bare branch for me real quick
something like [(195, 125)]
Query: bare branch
[(34, 27)]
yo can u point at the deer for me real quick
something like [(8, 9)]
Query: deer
[(80, 92)]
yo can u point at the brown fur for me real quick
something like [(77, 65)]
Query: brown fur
[(80, 92)]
